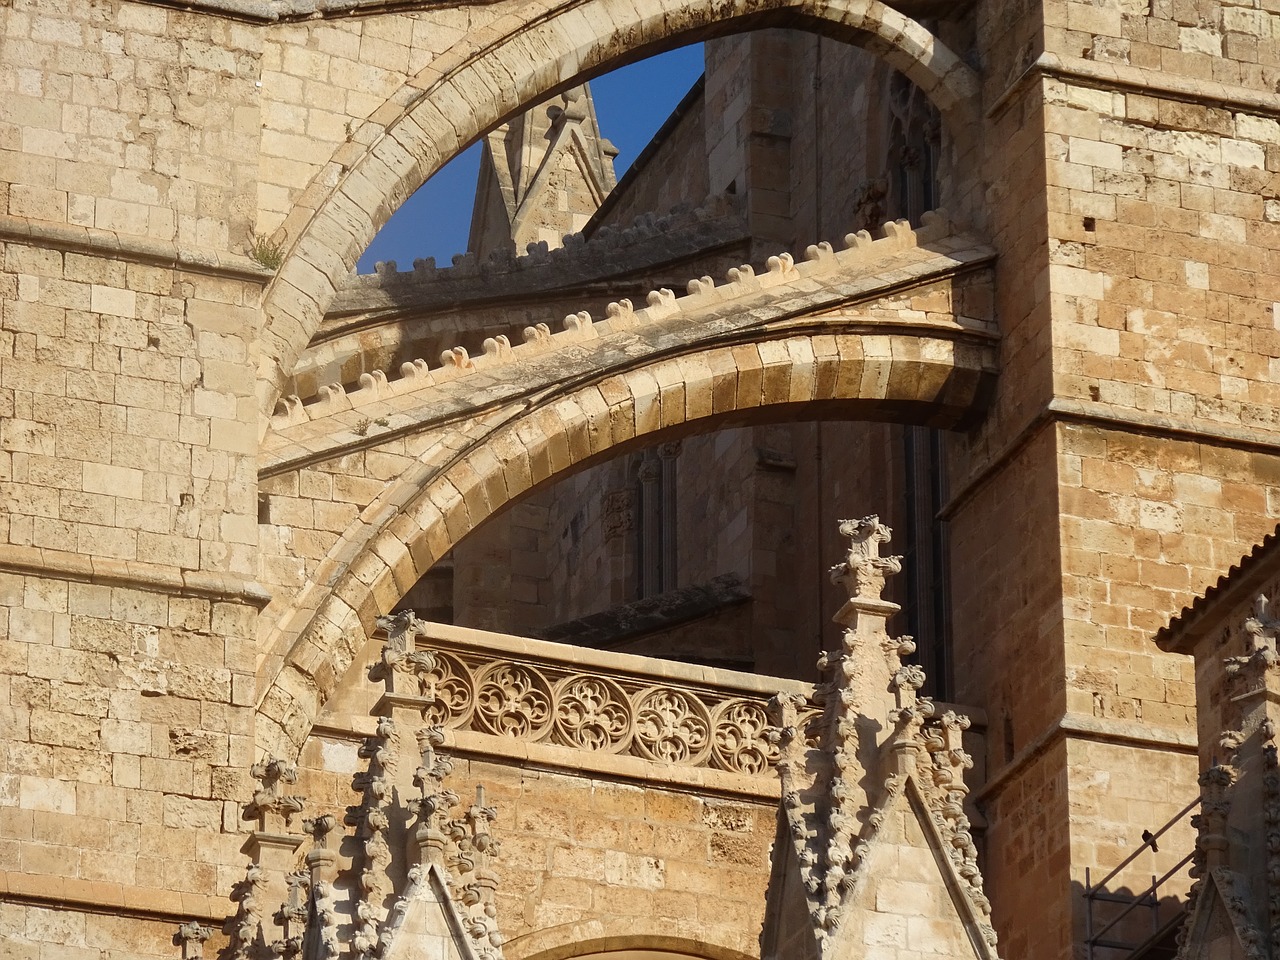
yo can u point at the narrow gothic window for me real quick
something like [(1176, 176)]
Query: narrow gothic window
[(656, 545), (925, 566), (914, 145)]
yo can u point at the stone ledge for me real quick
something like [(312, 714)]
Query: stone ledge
[(123, 246), (472, 745), (59, 565), (821, 290), (498, 645), (287, 11), (96, 896), (1077, 726), (1107, 417), (649, 243), (1125, 77)]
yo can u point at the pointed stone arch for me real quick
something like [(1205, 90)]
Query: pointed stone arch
[(517, 60), (614, 938), (478, 465)]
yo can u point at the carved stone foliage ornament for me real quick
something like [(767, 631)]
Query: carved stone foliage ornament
[(618, 514), (877, 752), (552, 702), (409, 827), (271, 807), (1240, 797), (863, 570)]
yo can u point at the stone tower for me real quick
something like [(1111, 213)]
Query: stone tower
[(542, 175)]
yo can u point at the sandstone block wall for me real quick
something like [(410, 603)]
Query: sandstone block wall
[(1128, 193)]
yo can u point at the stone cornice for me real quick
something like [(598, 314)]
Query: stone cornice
[(111, 899), (1077, 726), (1066, 410), (122, 246), (705, 781), (1237, 587), (1152, 83), (289, 11), (784, 297), (136, 574)]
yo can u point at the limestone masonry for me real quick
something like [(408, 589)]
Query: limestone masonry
[(485, 610)]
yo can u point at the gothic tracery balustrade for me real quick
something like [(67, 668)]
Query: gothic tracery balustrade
[(602, 703)]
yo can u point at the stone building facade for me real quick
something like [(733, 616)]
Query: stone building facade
[(1026, 247)]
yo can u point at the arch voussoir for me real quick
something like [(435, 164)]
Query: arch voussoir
[(556, 430), (536, 444), (646, 394), (471, 486), (395, 556), (671, 391), (493, 479), (699, 386), (573, 411), (617, 395), (453, 508), (599, 420), (803, 369), (826, 362)]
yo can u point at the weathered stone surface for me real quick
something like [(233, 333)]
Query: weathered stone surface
[(181, 598)]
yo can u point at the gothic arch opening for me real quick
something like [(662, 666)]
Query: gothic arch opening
[(753, 190), (710, 549), (465, 474), (670, 550), (467, 92), (619, 946)]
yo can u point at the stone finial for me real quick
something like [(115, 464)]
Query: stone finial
[(270, 806), (430, 833), (321, 860), (191, 936), (477, 891), (405, 670), (876, 742), (321, 863), (863, 571), (292, 917), (247, 921), (1261, 631), (1211, 821), (376, 784)]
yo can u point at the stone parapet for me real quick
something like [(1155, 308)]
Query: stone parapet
[(609, 253), (823, 271), (612, 714)]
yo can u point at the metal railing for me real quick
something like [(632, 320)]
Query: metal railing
[(1149, 898)]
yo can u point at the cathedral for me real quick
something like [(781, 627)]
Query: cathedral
[(849, 533)]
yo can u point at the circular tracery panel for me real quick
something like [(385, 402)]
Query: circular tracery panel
[(672, 726), (592, 713), (738, 740), (513, 700), (454, 689)]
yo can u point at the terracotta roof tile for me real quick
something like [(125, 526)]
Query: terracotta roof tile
[(1253, 568)]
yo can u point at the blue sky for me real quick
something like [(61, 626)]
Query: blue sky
[(632, 102)]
